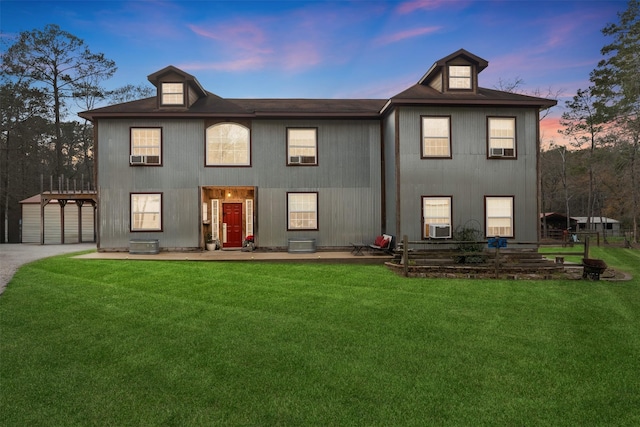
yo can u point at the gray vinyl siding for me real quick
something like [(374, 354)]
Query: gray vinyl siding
[(347, 179), (390, 174), (469, 176)]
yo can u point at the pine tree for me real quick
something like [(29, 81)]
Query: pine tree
[(617, 90)]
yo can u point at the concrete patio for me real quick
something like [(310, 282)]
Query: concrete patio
[(238, 255)]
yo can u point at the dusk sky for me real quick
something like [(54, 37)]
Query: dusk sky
[(332, 49)]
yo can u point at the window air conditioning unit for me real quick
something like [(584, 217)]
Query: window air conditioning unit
[(136, 160), (439, 231), (144, 160), (497, 152), (295, 160)]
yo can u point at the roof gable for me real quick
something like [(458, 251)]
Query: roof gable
[(171, 73), (190, 91), (433, 88), (437, 76), (463, 54)]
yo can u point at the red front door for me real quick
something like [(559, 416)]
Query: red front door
[(232, 217)]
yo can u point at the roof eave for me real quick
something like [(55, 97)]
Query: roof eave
[(352, 115), (492, 102), (181, 115), (257, 114)]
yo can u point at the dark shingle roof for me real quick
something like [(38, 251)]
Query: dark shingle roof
[(215, 106), (211, 105), (426, 95), (312, 107)]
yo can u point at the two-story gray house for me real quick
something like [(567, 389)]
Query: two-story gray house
[(442, 154)]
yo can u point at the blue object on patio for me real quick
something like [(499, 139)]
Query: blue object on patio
[(497, 242)]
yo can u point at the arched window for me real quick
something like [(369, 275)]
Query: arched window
[(228, 144)]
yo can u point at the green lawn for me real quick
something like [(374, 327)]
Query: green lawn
[(116, 343)]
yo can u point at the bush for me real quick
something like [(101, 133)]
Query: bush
[(468, 250)]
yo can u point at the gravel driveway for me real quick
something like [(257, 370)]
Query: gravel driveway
[(13, 255)]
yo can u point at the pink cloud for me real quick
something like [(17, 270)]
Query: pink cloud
[(413, 5), (296, 40), (549, 128), (402, 35), (301, 55), (380, 89), (554, 34), (291, 42), (246, 46), (562, 30), (239, 35), (242, 64)]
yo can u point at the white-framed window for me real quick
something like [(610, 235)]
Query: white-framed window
[(215, 219), (228, 144), (499, 216), (436, 211), (146, 146), (460, 77), (172, 94), (249, 217), (501, 133), (436, 136), (302, 211), (146, 212), (302, 146)]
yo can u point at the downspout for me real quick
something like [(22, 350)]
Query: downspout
[(397, 172), (540, 232)]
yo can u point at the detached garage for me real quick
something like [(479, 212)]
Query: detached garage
[(79, 217)]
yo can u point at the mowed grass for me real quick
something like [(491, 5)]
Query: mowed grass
[(145, 343)]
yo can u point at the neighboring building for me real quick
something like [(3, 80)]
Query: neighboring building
[(34, 217), (601, 224), (445, 153), (556, 225)]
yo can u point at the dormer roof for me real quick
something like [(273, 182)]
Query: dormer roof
[(176, 89), (419, 94), (438, 66), (435, 87), (170, 73)]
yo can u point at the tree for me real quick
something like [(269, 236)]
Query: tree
[(554, 174), (129, 93), (583, 122), (59, 62), (617, 88), (549, 181), (20, 124), (626, 138), (514, 86), (565, 184)]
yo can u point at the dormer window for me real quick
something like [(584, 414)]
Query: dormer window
[(460, 77), (172, 94)]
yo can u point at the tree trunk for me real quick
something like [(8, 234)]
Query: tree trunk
[(4, 189), (56, 100), (634, 188)]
